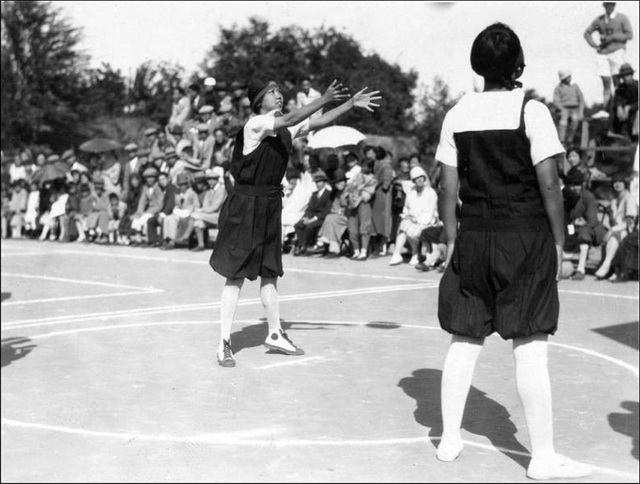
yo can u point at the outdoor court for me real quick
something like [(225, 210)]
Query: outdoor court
[(109, 373)]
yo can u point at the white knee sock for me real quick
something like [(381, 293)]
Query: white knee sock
[(228, 305), (269, 297)]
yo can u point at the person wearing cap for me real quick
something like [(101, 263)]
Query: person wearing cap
[(624, 107), (206, 115), (177, 138), (420, 211), (614, 30), (209, 96), (140, 162), (150, 135), (177, 223), (208, 214), (568, 99), (583, 227), (149, 205), (334, 225), (155, 224), (249, 243), (504, 244), (622, 217), (318, 208), (203, 146), (180, 108)]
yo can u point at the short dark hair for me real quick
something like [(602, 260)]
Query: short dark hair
[(496, 53), (113, 195)]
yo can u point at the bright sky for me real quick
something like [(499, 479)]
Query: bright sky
[(434, 38)]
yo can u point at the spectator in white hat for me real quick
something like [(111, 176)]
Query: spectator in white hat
[(568, 99), (420, 211)]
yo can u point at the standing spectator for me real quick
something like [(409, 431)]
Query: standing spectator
[(181, 107), (209, 96), (18, 170), (203, 146), (132, 200), (98, 220), (353, 166), (156, 222), (568, 99), (382, 200), (614, 30), (335, 223), (88, 202), (222, 148), (294, 203), (110, 173), (623, 213), (31, 215), (69, 223), (208, 214), (149, 205), (307, 95), (317, 209), (18, 208), (360, 191), (583, 228), (130, 159), (624, 108), (420, 211), (186, 202), (117, 211), (207, 115)]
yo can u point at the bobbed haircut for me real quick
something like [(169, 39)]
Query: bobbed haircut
[(496, 53)]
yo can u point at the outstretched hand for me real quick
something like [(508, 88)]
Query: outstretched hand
[(336, 92), (365, 100)]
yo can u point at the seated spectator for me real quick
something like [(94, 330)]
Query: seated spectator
[(31, 215), (5, 192), (625, 262), (180, 108), (583, 228), (187, 162), (18, 208), (48, 196), (88, 202), (624, 107), (569, 101), (401, 187), (222, 148), (318, 208), (156, 222), (335, 223), (160, 145), (203, 146), (207, 116), (18, 170), (132, 200), (294, 203), (420, 211), (207, 215), (117, 211), (149, 205), (110, 173), (97, 224), (69, 223), (126, 167), (360, 191), (177, 137), (186, 202), (623, 212), (353, 166)]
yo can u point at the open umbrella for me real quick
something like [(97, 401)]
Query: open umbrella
[(99, 145), (48, 173), (334, 137)]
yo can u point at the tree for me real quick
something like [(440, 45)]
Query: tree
[(105, 92), (152, 87), (42, 72), (252, 52)]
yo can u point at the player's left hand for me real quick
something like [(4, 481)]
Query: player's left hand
[(364, 99)]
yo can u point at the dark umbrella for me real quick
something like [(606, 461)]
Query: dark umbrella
[(99, 145), (48, 173)]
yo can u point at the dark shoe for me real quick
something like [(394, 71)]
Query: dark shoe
[(331, 255), (198, 248), (168, 246), (421, 266), (319, 250), (299, 251), (225, 357), (578, 276)]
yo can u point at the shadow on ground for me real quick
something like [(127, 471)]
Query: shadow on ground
[(625, 333), (14, 348), (4, 296), (483, 416), (627, 424)]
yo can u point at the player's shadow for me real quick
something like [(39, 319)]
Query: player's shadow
[(482, 415), (14, 348), (627, 424), (254, 335), (4, 296), (625, 333)]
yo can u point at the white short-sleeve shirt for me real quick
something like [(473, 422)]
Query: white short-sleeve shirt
[(496, 110), (262, 125)]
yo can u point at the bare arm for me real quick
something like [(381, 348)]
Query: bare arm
[(360, 99), (335, 92), (449, 185), (549, 183)]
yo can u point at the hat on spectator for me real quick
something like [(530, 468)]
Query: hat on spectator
[(417, 172), (67, 154), (339, 175), (205, 109), (245, 103), (320, 176), (199, 176), (143, 152), (150, 172), (131, 147), (210, 81), (564, 73), (150, 131), (574, 177), (202, 127), (225, 107), (52, 158), (182, 179), (237, 85), (177, 129), (625, 69), (215, 172)]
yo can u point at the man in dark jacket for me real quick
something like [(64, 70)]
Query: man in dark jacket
[(154, 224), (317, 209)]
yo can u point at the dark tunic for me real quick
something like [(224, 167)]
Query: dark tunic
[(502, 272), (249, 242)]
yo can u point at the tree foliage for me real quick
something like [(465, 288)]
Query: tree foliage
[(151, 89), (42, 71), (288, 55)]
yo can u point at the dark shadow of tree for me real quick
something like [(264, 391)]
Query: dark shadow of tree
[(14, 348), (483, 415), (627, 424)]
